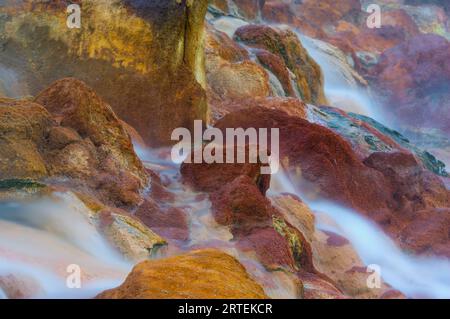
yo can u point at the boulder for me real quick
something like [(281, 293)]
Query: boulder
[(145, 58), (23, 127), (203, 274)]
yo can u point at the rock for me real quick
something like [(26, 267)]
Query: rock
[(200, 274), (291, 106), (81, 145), (322, 164), (229, 71), (106, 145), (277, 66), (319, 159), (59, 137), (240, 80), (328, 12), (285, 44), (171, 223), (282, 12), (23, 126), (241, 205), (211, 177), (22, 287), (133, 239), (77, 106), (419, 91), (427, 233), (145, 58), (219, 44)]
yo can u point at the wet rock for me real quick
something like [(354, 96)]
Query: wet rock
[(277, 66), (332, 255), (324, 165), (285, 44), (200, 274)]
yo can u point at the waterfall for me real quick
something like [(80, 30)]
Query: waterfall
[(344, 87)]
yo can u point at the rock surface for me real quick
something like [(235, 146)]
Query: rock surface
[(198, 275), (145, 58)]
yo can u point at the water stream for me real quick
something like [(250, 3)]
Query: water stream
[(40, 239), (415, 276)]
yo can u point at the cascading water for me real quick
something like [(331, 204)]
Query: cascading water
[(204, 230), (343, 87), (414, 276), (40, 239)]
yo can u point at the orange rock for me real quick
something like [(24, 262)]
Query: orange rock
[(145, 58), (203, 274)]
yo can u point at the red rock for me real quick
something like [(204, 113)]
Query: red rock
[(60, 137), (327, 13), (270, 248), (427, 233), (282, 12), (318, 156), (211, 177), (291, 106), (171, 223), (77, 106), (241, 205), (287, 46), (275, 64), (387, 187)]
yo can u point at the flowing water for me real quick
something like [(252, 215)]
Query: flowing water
[(40, 239), (204, 230), (343, 87), (416, 277)]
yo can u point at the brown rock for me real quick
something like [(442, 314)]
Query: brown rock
[(23, 127), (77, 106), (201, 274), (145, 58)]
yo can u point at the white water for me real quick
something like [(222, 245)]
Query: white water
[(344, 88), (228, 25), (40, 239), (427, 277)]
